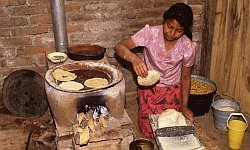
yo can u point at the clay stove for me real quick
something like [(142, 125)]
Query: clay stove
[(65, 106)]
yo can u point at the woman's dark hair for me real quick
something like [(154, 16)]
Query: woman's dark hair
[(183, 14)]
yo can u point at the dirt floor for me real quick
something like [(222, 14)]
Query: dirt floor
[(210, 137), (38, 134)]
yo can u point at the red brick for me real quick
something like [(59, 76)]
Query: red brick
[(37, 1), (35, 50), (143, 14), (15, 41), (81, 16), (27, 10), (12, 22), (39, 69), (12, 2), (110, 15), (75, 27), (7, 53), (93, 6), (111, 6), (149, 14), (103, 26), (30, 30), (18, 61), (41, 19), (2, 12), (21, 61), (166, 4), (73, 7), (5, 33), (195, 2), (137, 4), (139, 24), (42, 40), (41, 59), (6, 71), (197, 9)]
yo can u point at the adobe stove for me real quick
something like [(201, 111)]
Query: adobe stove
[(113, 131)]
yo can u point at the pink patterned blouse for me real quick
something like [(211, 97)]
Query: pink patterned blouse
[(168, 63)]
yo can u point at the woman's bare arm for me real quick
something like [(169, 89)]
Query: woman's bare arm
[(186, 84), (123, 50)]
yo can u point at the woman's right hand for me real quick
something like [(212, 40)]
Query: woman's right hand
[(140, 67)]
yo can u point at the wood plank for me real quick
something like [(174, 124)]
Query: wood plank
[(207, 37), (230, 51)]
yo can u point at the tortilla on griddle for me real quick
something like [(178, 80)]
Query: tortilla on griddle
[(96, 82), (71, 85), (62, 75)]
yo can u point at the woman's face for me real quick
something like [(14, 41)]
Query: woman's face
[(172, 30)]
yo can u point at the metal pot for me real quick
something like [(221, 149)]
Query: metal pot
[(141, 144), (200, 104)]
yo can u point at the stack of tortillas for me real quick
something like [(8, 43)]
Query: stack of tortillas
[(96, 82), (152, 78), (67, 77), (171, 117)]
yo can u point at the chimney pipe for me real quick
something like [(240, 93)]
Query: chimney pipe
[(59, 25)]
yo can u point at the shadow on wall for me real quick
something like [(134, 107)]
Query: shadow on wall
[(127, 65)]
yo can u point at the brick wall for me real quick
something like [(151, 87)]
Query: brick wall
[(26, 33)]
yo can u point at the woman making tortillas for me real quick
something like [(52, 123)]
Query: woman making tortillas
[(169, 50)]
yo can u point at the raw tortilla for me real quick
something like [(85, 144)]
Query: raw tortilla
[(96, 82), (62, 75), (152, 78), (171, 117), (71, 85)]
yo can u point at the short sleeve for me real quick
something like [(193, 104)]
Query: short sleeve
[(190, 53), (143, 37)]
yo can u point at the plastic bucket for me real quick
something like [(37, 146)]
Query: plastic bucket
[(222, 108), (236, 132), (200, 104)]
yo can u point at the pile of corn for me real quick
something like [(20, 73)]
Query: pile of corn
[(200, 88)]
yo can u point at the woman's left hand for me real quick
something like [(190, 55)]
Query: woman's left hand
[(188, 113)]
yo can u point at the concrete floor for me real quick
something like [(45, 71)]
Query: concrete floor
[(38, 134)]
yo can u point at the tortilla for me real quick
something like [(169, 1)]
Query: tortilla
[(152, 78), (171, 117), (57, 57), (62, 75), (96, 82), (71, 85)]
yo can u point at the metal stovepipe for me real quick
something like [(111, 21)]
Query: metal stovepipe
[(59, 25)]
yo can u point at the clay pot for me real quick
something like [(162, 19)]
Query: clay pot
[(86, 52)]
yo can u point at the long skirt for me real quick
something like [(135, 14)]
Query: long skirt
[(154, 101)]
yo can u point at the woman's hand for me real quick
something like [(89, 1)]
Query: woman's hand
[(188, 113), (140, 67)]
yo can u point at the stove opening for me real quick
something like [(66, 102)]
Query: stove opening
[(92, 118)]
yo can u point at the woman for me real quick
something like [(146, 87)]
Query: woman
[(169, 50)]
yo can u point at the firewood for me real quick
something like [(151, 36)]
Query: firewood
[(103, 122), (91, 124)]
